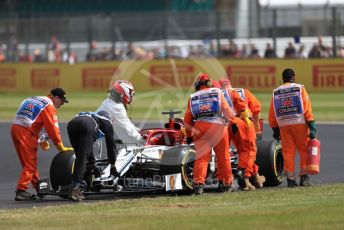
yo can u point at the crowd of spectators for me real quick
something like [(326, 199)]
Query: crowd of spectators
[(54, 53)]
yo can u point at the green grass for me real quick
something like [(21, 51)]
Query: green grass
[(149, 105), (318, 207)]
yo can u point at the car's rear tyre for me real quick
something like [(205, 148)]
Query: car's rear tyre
[(270, 162), (187, 168), (61, 169)]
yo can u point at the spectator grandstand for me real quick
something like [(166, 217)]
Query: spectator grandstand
[(93, 30)]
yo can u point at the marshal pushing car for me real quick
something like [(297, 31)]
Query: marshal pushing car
[(164, 164)]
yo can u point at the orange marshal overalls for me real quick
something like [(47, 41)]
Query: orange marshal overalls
[(25, 134), (209, 131), (290, 110), (245, 139)]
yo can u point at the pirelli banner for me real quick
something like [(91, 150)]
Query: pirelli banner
[(324, 75)]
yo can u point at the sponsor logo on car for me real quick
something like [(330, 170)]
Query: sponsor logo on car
[(172, 183)]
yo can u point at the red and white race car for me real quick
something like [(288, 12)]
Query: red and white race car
[(164, 164)]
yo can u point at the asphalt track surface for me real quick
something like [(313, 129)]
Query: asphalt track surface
[(332, 165)]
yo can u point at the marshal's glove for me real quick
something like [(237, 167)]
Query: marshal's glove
[(189, 140), (61, 148), (245, 115), (312, 129), (276, 133), (44, 145)]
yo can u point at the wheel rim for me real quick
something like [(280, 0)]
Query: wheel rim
[(187, 168), (278, 162)]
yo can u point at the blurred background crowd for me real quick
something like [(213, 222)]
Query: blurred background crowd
[(103, 51), (100, 30)]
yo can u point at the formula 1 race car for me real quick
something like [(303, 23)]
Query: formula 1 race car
[(163, 164)]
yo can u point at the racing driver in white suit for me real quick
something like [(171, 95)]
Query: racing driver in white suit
[(120, 96)]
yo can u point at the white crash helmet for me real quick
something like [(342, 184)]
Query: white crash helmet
[(123, 90)]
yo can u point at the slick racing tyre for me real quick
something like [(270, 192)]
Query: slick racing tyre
[(270, 162), (187, 168), (61, 169)]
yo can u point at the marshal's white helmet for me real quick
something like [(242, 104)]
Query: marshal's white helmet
[(123, 90)]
